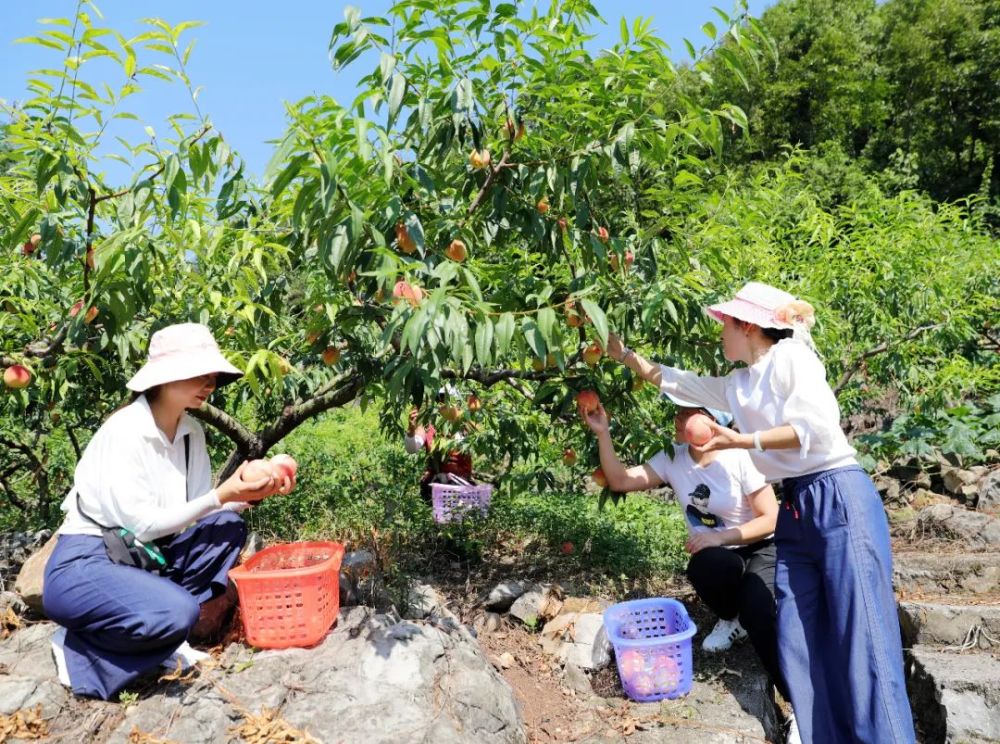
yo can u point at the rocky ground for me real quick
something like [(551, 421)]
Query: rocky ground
[(513, 652)]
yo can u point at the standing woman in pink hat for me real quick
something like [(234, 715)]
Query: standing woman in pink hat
[(838, 635), (147, 539)]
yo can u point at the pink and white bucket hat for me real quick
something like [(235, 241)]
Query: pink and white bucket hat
[(180, 352), (765, 306)]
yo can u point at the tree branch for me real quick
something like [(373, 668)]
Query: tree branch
[(488, 183), (850, 371)]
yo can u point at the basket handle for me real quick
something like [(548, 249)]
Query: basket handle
[(458, 480)]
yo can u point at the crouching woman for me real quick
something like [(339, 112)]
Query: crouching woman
[(147, 471)]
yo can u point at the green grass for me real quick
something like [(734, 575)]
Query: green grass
[(357, 487)]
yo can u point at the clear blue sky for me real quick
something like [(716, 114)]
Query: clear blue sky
[(252, 56)]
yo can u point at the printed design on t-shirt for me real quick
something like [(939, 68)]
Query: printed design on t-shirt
[(697, 511)]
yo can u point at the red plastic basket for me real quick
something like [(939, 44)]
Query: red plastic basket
[(290, 593), (451, 503)]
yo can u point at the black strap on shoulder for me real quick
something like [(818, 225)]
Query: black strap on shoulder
[(187, 465)]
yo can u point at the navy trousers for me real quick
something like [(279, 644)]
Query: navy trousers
[(838, 631), (121, 621)]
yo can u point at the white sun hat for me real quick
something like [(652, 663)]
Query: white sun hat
[(180, 352), (765, 306)]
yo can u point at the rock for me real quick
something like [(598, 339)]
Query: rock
[(29, 579), (944, 520), (358, 564), (348, 591), (422, 600), (932, 573), (958, 481), (372, 679), (13, 602), (30, 676), (988, 492), (910, 471), (488, 623), (888, 488), (253, 545), (955, 697), (930, 623), (741, 714), (503, 595), (506, 660), (530, 607), (577, 679), (579, 639)]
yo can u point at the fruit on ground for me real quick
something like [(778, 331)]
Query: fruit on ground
[(17, 376), (566, 548)]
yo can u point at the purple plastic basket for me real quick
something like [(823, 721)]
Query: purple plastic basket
[(453, 502), (652, 642)]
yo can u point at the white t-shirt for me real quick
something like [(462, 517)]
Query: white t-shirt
[(132, 476), (713, 497), (786, 386)]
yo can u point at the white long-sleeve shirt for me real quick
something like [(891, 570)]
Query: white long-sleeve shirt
[(130, 475), (785, 386)]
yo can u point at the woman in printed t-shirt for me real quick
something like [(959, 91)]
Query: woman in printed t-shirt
[(730, 513), (838, 635)]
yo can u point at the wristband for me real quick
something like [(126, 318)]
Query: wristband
[(756, 442), (625, 354)]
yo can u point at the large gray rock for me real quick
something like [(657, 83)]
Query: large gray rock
[(988, 495), (710, 714), (955, 697), (30, 673), (944, 520), (929, 623), (942, 574), (503, 595), (372, 679), (531, 607)]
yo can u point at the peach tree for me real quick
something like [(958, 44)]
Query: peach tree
[(492, 202)]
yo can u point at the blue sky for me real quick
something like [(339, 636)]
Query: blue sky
[(250, 57)]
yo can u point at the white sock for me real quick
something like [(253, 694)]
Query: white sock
[(186, 655), (59, 654)]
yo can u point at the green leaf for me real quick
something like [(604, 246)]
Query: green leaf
[(396, 93), (504, 332), (598, 318)]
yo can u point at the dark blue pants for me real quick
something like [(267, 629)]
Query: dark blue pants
[(838, 631), (121, 621)]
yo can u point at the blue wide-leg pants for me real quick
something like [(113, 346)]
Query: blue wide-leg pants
[(121, 621), (839, 643)]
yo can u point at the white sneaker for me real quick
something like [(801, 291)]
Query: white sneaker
[(187, 656), (792, 737), (59, 654), (723, 636)]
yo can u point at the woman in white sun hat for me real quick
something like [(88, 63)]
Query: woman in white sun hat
[(146, 476), (838, 634)]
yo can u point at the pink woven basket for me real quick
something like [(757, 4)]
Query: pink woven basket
[(453, 502)]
